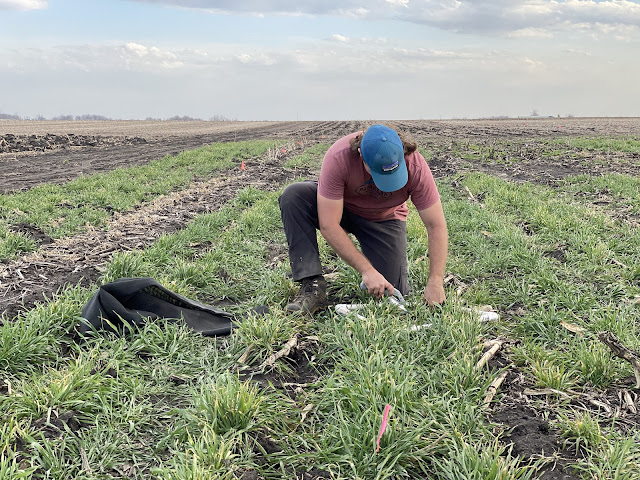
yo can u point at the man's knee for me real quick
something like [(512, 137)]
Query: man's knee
[(298, 194)]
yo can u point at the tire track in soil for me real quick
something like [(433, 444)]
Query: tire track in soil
[(78, 260)]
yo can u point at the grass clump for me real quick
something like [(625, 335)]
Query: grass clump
[(311, 158), (482, 462), (12, 242), (214, 258), (580, 432), (228, 405), (260, 336), (602, 144), (616, 192)]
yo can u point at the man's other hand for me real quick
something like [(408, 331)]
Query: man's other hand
[(434, 293)]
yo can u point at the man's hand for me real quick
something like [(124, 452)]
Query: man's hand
[(434, 293), (376, 283)]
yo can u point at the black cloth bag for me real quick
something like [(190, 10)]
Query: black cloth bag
[(133, 300)]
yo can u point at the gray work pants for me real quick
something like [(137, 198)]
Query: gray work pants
[(383, 243)]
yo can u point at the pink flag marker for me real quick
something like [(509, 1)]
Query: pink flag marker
[(383, 425)]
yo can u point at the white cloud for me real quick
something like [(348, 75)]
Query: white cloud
[(493, 17), (365, 57), (575, 51), (134, 48), (357, 13), (255, 59), (532, 65), (530, 33), (503, 16), (334, 78), (399, 3), (340, 38), (100, 58), (22, 5)]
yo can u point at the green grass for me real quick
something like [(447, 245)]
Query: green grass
[(12, 242), (163, 403), (60, 210), (621, 191), (604, 145), (312, 157)]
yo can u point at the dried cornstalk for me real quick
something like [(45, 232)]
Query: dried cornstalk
[(489, 354), (85, 461), (7, 384), (627, 400), (619, 350), (544, 391), (620, 264), (293, 341), (297, 385), (493, 388), (471, 196), (245, 355), (305, 412), (598, 403)]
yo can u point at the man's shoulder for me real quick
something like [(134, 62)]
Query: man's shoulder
[(420, 175), (415, 160), (340, 154)]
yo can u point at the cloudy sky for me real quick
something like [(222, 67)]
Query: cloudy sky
[(320, 59)]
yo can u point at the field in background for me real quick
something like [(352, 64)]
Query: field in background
[(543, 217)]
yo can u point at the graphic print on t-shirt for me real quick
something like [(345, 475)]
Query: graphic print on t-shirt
[(369, 188)]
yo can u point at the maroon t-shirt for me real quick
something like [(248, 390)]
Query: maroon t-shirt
[(343, 177)]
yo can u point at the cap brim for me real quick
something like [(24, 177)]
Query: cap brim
[(392, 181)]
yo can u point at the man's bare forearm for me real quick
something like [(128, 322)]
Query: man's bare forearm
[(438, 250)]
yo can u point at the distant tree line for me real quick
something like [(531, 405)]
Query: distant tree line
[(93, 117)]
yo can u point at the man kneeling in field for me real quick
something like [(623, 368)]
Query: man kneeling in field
[(363, 186)]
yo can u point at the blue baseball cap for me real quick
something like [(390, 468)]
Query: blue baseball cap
[(383, 153)]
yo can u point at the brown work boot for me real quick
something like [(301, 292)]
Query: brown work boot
[(311, 297)]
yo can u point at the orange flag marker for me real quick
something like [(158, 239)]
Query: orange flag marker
[(242, 167)]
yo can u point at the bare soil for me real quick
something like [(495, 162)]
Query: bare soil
[(34, 153)]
